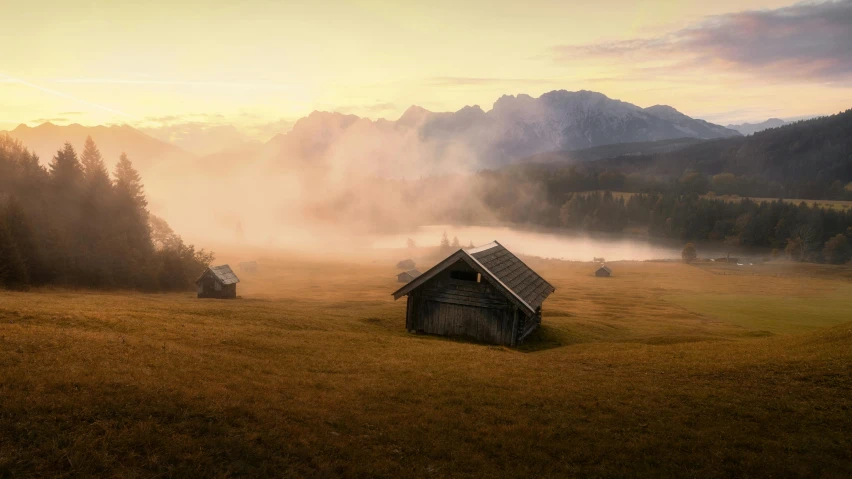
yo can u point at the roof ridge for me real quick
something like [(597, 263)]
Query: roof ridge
[(497, 278), (482, 248), (522, 262)]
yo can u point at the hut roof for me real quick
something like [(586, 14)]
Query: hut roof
[(605, 268), (412, 272), (517, 280), (406, 264), (223, 273)]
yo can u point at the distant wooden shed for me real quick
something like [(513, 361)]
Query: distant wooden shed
[(406, 264), (407, 276), (603, 271), (484, 293), (248, 266), (217, 282)]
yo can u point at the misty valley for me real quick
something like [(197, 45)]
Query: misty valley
[(426, 239)]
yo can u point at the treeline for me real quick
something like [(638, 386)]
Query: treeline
[(802, 232), (73, 225)]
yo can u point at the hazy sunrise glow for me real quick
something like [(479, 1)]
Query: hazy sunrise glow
[(261, 65)]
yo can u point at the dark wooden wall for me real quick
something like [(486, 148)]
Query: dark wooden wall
[(452, 307), (207, 289)]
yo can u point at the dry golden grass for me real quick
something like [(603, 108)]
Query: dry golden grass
[(312, 374)]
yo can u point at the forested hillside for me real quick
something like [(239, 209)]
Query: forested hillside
[(72, 225), (806, 159)]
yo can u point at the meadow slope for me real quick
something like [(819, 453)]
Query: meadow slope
[(311, 373)]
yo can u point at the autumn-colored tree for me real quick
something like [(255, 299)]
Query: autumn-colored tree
[(689, 253)]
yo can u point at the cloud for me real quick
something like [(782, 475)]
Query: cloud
[(482, 81), (20, 81), (265, 131), (378, 107), (805, 41), (51, 120), (183, 83)]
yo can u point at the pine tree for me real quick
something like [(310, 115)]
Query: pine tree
[(65, 169), (94, 170), (129, 183), (131, 243), (445, 242), (456, 243), (18, 226), (95, 225), (13, 271)]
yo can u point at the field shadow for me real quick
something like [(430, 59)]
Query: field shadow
[(545, 338)]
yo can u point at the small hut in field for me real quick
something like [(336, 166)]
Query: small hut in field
[(217, 282), (484, 293), (406, 264), (248, 266), (603, 272), (407, 276)]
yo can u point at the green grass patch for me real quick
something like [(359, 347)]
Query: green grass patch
[(776, 314)]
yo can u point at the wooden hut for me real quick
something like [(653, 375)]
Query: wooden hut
[(407, 276), (217, 282), (484, 293), (248, 266), (603, 272), (406, 264)]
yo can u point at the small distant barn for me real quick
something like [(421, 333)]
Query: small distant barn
[(248, 266), (406, 264), (407, 276), (217, 282), (599, 260), (603, 272), (484, 293)]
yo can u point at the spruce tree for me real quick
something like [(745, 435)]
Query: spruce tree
[(18, 226), (13, 271), (95, 225), (65, 169), (132, 240)]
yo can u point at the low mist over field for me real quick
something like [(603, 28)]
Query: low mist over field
[(426, 239)]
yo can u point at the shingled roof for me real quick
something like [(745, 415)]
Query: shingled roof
[(508, 272), (223, 273), (519, 277)]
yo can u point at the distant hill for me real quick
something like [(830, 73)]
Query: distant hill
[(145, 152), (751, 128), (818, 150), (515, 128), (200, 138)]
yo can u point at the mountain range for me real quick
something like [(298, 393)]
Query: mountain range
[(752, 128), (516, 127), (145, 152)]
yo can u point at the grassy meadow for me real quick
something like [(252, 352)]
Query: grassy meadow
[(663, 369)]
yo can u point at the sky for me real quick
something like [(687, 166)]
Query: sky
[(260, 65)]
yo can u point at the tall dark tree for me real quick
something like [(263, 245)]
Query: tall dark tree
[(65, 169), (20, 231), (13, 271), (95, 227), (132, 240)]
